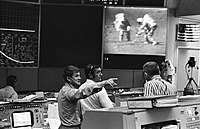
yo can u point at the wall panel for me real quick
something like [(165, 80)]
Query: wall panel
[(125, 77), (26, 78), (2, 77), (50, 79)]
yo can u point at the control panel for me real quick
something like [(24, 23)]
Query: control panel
[(37, 109), (191, 116)]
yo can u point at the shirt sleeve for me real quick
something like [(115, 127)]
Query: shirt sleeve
[(148, 91), (84, 91), (14, 95), (87, 88), (104, 99), (70, 93)]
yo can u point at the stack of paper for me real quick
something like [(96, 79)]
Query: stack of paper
[(53, 116), (28, 98)]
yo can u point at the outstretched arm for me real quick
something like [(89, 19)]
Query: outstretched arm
[(88, 89)]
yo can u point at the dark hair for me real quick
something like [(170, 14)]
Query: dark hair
[(151, 68), (11, 79), (90, 69), (69, 71)]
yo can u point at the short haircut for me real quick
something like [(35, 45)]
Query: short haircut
[(151, 68), (69, 71), (90, 69), (11, 79)]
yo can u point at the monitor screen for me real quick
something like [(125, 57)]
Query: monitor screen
[(135, 30), (22, 119)]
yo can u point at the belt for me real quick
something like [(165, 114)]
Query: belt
[(70, 125)]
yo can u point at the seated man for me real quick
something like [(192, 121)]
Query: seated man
[(8, 93), (69, 106), (93, 75), (154, 84)]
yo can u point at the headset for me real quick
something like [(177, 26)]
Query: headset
[(71, 80)]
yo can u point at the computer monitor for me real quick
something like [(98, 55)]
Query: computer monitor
[(22, 119), (118, 18), (125, 49)]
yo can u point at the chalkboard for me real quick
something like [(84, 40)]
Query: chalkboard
[(70, 34), (19, 28), (18, 49)]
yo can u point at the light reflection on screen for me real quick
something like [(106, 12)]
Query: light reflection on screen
[(21, 119)]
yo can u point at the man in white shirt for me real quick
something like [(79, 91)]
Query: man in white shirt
[(154, 84), (8, 93), (69, 96), (98, 100)]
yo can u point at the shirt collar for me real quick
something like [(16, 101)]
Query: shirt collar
[(9, 87), (89, 80), (69, 85), (156, 77)]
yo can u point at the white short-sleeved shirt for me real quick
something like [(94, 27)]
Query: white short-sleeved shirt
[(97, 100), (8, 92)]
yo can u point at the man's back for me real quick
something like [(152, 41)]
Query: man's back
[(97, 100), (7, 93), (158, 86)]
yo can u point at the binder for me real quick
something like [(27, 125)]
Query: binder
[(152, 101)]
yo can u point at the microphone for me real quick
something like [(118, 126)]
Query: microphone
[(76, 82)]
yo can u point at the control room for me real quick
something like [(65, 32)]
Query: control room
[(100, 64)]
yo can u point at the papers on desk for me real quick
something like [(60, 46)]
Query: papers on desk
[(53, 117), (2, 102), (131, 92), (51, 99), (53, 111), (29, 127), (27, 98)]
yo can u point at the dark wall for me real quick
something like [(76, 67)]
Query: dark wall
[(70, 34), (3, 77), (188, 7), (151, 3), (135, 62), (27, 78), (50, 79)]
